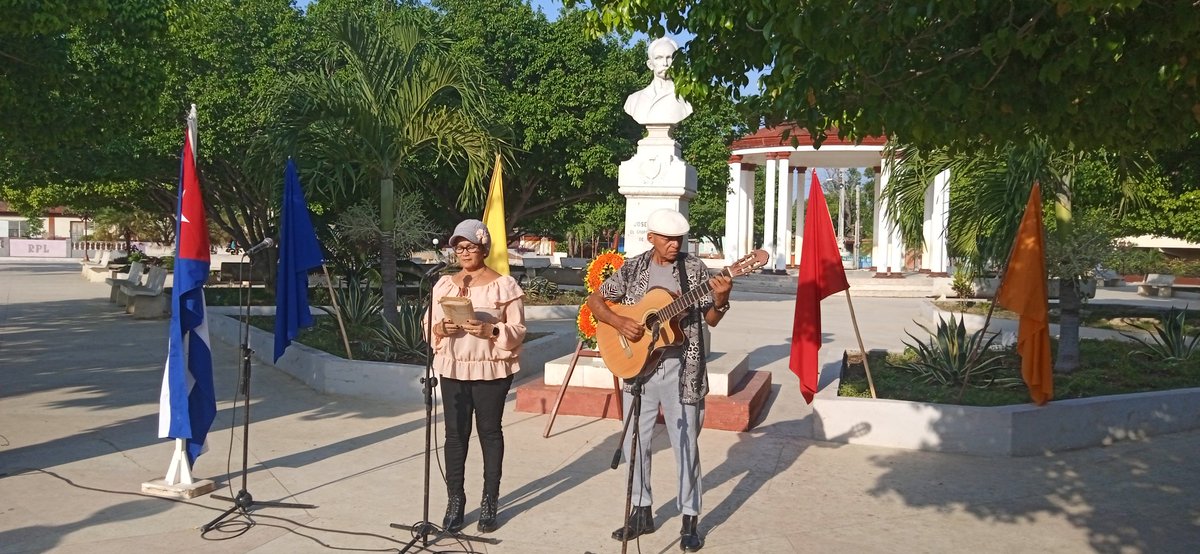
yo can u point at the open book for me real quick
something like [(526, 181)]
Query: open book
[(457, 308)]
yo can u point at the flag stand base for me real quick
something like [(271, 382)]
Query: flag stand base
[(160, 487)]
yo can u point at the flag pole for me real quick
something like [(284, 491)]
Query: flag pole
[(337, 311), (861, 348)]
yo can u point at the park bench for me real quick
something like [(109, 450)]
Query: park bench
[(147, 301), (101, 263), (1109, 278), (239, 272), (533, 263), (1157, 285), (573, 263), (133, 278)]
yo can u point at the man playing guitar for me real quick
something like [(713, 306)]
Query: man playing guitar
[(676, 380)]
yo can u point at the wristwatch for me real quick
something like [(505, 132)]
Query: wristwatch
[(722, 308)]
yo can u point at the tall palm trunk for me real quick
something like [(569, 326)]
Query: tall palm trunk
[(1068, 290), (1068, 326), (387, 249)]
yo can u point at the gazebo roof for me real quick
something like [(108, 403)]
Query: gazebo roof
[(834, 152)]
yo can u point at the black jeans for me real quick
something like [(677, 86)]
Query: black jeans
[(484, 400)]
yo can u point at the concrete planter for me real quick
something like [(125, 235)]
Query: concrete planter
[(1022, 430), (551, 312), (985, 287), (399, 383)]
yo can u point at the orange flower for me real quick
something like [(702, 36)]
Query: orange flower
[(586, 323), (601, 268)]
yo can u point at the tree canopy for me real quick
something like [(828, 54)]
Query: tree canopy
[(1083, 73)]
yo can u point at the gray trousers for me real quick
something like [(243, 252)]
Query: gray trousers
[(683, 427)]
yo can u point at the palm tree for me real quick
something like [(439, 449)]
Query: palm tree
[(388, 101), (988, 188)]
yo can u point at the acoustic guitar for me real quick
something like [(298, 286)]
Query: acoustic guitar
[(659, 312)]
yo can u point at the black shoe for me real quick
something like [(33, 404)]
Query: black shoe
[(640, 522), (487, 514), (690, 539), (453, 522)]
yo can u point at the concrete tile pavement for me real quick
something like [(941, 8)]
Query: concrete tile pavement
[(78, 414)]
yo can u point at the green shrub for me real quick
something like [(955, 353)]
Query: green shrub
[(359, 306), (1168, 339), (962, 284), (1127, 260), (946, 358), (540, 289), (405, 341)]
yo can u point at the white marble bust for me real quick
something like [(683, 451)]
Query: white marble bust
[(657, 104)]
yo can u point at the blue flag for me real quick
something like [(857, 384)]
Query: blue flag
[(188, 402), (299, 252)]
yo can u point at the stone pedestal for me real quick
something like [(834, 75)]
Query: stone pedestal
[(735, 401), (656, 177), (160, 487)]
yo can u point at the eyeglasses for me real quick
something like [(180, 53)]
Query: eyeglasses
[(466, 248)]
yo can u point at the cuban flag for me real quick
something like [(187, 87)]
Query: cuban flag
[(188, 403)]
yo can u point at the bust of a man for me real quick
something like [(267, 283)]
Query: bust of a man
[(657, 104)]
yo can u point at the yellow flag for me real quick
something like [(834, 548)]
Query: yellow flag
[(493, 217), (1024, 291)]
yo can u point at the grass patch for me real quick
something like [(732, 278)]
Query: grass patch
[(1117, 317), (325, 336), (1108, 367)]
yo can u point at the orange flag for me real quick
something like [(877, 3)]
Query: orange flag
[(1024, 291), (821, 275)]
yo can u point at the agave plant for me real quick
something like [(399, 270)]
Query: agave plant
[(404, 341), (541, 288), (1168, 341), (947, 357), (359, 305)]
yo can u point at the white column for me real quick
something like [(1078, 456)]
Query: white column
[(895, 243), (801, 199), (733, 218), (783, 231), (879, 250), (928, 233), (939, 257), (769, 211), (746, 208)]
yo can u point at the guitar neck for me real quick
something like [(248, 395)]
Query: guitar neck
[(670, 311)]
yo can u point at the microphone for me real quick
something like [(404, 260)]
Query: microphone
[(436, 268), (265, 244)]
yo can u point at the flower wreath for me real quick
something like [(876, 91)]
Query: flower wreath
[(599, 269)]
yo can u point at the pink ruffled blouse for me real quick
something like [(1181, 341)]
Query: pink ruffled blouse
[(469, 358)]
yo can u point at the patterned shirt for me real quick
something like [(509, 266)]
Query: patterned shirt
[(630, 283)]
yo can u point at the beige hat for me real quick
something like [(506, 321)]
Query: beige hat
[(667, 222)]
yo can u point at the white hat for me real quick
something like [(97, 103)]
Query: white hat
[(667, 222), (473, 231)]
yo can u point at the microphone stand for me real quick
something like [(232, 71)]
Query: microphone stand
[(424, 528), (243, 501)]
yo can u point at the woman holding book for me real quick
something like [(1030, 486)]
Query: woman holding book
[(476, 356)]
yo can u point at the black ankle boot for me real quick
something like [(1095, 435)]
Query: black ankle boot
[(640, 522), (487, 514), (453, 522), (689, 538)]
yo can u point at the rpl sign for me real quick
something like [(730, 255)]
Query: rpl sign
[(37, 248)]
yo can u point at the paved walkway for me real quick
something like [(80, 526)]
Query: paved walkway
[(78, 413)]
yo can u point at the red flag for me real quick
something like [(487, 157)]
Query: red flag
[(821, 274), (1024, 291)]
